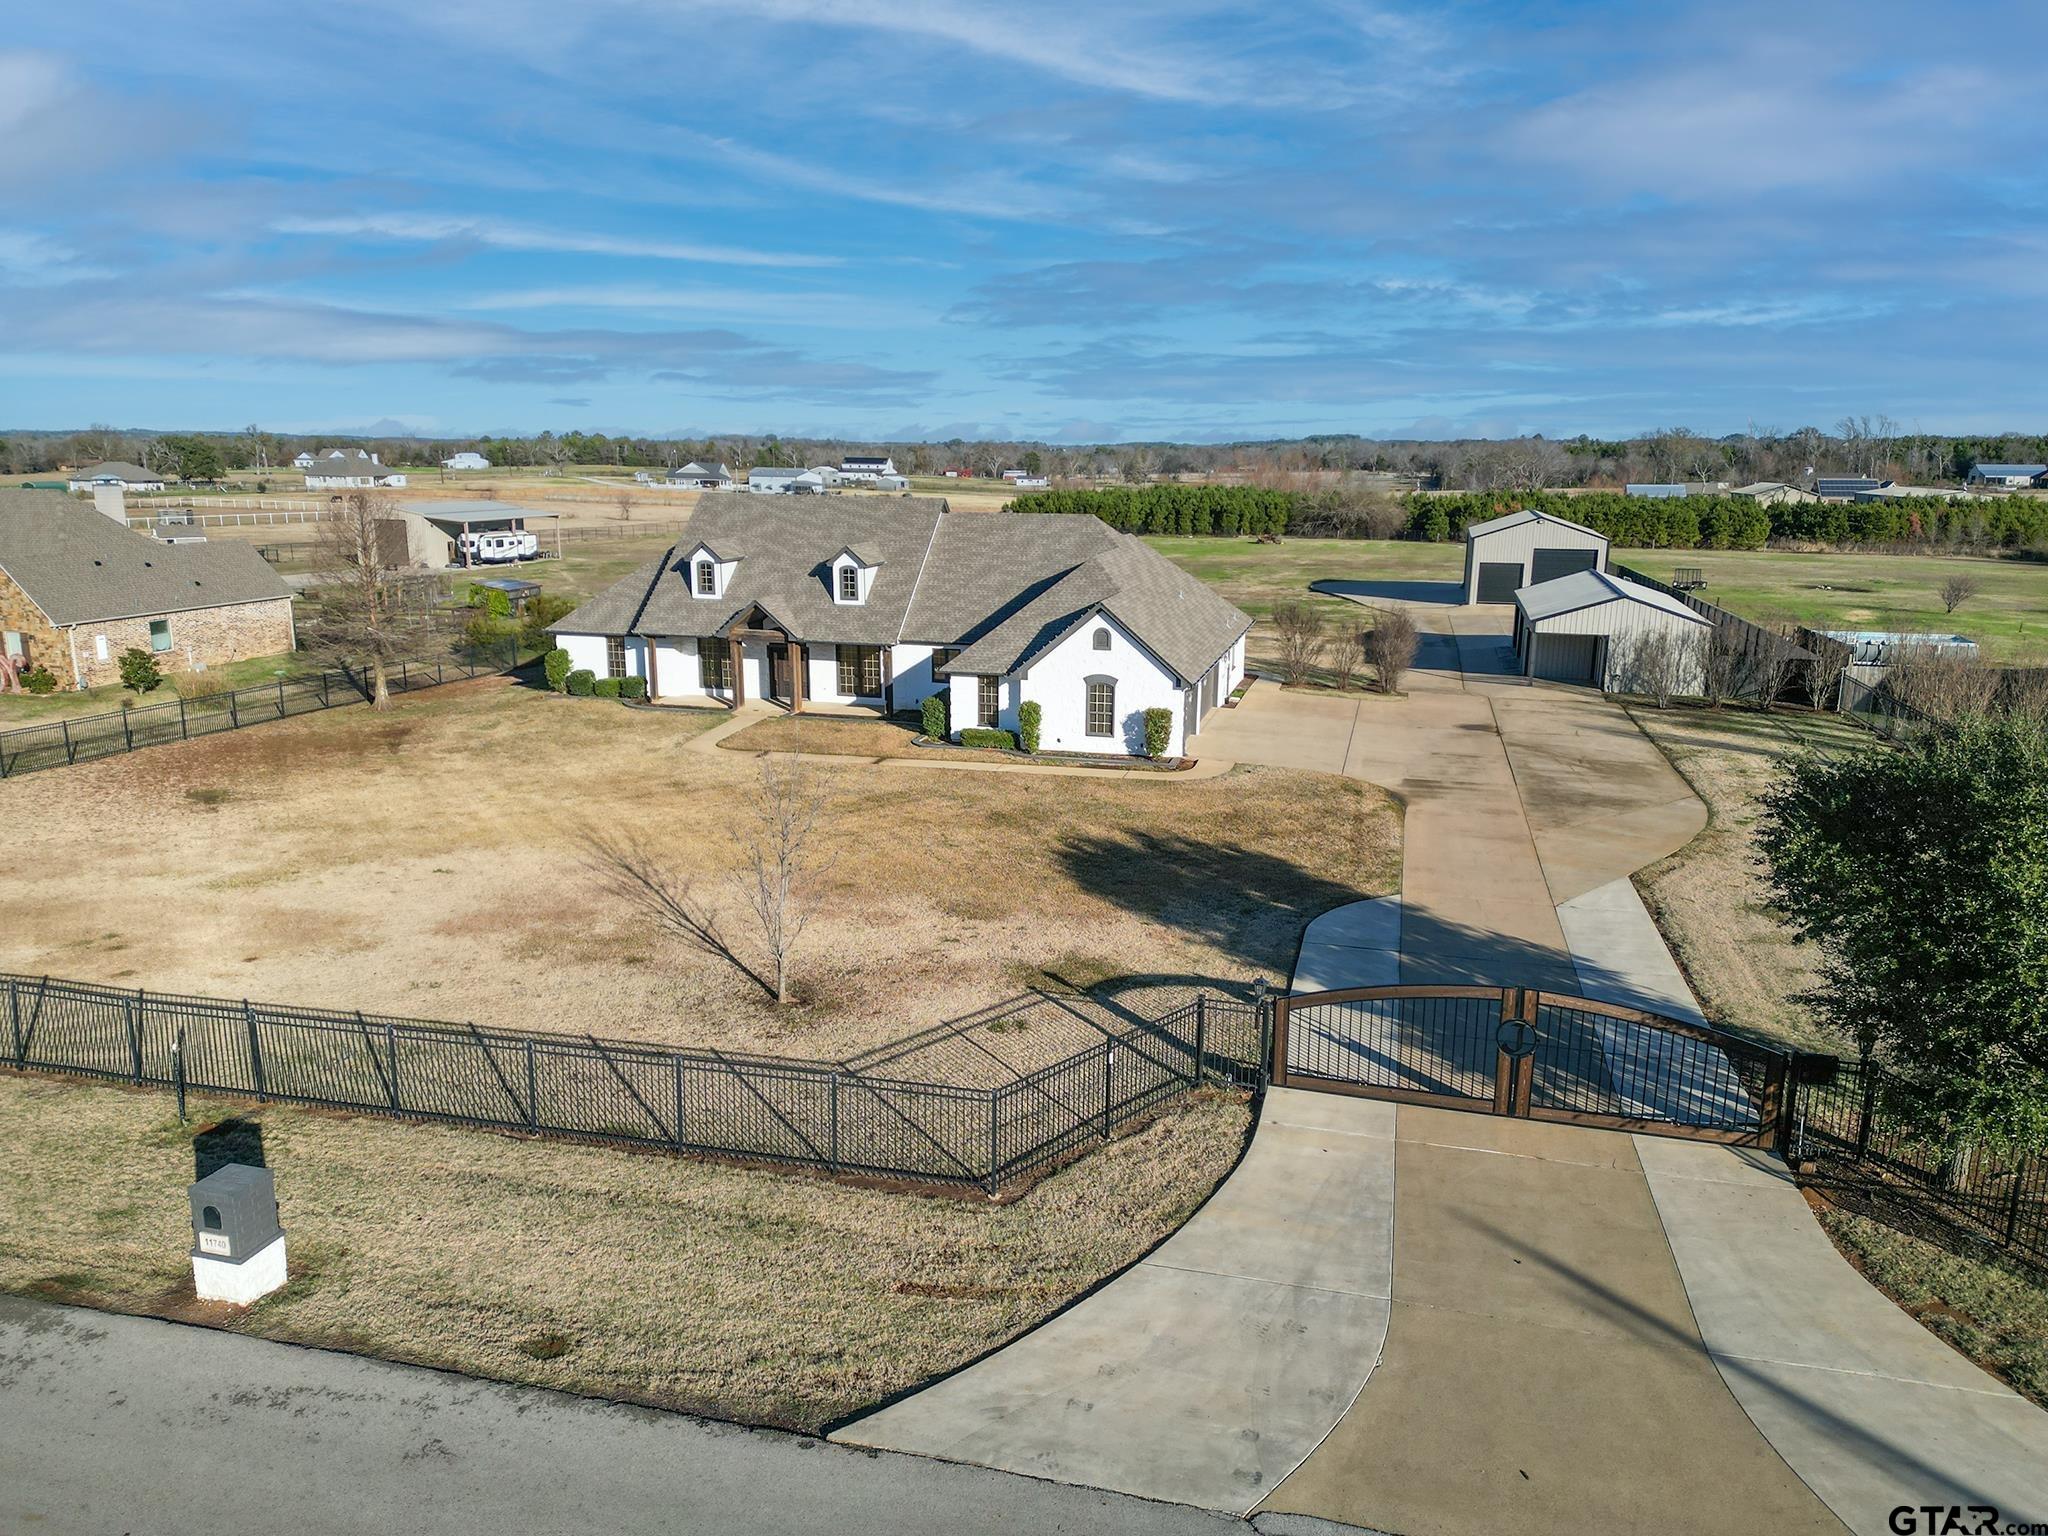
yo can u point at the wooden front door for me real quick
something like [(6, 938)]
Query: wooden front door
[(779, 673)]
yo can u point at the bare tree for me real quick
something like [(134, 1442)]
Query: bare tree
[(1773, 659), (1301, 631), (1390, 647), (1958, 590), (1651, 667), (1941, 682), (782, 862), (1722, 667), (624, 502), (1347, 651), (1824, 673), (359, 552)]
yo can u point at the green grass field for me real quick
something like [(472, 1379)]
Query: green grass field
[(2008, 616)]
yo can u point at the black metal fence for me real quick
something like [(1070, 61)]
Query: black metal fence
[(825, 1115), (1848, 1126), (60, 743)]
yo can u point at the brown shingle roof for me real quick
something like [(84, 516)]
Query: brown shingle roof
[(78, 565)]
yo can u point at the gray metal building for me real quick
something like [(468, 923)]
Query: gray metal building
[(1587, 627), (1505, 554)]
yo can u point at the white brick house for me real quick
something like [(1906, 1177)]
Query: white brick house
[(886, 605)]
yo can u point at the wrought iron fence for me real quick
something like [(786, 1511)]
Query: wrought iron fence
[(60, 743), (826, 1115), (1847, 1122)]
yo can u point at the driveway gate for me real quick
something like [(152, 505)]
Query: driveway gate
[(1538, 1055)]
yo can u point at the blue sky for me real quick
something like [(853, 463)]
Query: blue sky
[(1062, 222)]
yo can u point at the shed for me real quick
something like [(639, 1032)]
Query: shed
[(1505, 554), (1589, 628), (432, 531)]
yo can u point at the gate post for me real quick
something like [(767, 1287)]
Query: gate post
[(1514, 1073), (1774, 1114), (1282, 1007)]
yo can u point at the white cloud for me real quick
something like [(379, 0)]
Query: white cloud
[(439, 228)]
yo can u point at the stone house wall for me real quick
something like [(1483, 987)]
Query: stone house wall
[(200, 637)]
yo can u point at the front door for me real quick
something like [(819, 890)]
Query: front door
[(779, 684)]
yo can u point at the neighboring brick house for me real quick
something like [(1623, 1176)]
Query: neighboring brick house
[(76, 590)]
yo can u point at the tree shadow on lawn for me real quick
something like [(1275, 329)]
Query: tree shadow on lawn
[(1250, 904)]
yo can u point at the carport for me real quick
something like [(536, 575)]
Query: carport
[(1597, 630), (1522, 549)]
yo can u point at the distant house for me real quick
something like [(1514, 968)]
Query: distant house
[(866, 467), (2010, 477), (1673, 489), (350, 469), (697, 475), (773, 480), (1845, 487), (467, 459), (130, 477), (1771, 493), (885, 603), (76, 590), (304, 460), (1891, 492)]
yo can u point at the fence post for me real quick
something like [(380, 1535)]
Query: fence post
[(255, 1050), (14, 1018), (994, 1138), (1201, 1037), (680, 1139), (832, 1146), (70, 752), (391, 1061), (234, 714), (532, 1095), (127, 733), (178, 1071), (135, 1038), (184, 730), (2012, 1205), (1775, 1119), (280, 698), (1108, 1084), (1869, 1073), (401, 677)]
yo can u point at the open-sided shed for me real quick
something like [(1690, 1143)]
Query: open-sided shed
[(1522, 549), (1595, 628)]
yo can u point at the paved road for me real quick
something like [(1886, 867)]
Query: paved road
[(118, 1424)]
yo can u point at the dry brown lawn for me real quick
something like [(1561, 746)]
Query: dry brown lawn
[(429, 861), (742, 1294), (1708, 898)]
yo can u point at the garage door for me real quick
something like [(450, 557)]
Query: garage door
[(1549, 564), (1498, 583), (1565, 658)]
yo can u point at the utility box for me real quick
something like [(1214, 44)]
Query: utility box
[(237, 1245)]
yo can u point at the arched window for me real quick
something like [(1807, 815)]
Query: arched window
[(849, 584), (1101, 706), (1102, 639), (707, 579)]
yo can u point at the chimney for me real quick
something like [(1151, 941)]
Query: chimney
[(112, 500)]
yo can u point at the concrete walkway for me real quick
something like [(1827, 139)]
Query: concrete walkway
[(1211, 1369), (112, 1424), (1871, 1409)]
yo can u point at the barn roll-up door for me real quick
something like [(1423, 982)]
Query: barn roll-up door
[(1549, 564), (1499, 582), (1564, 658)]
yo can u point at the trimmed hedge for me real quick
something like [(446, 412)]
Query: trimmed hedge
[(981, 736), (632, 687), (607, 687), (556, 667), (1218, 509), (582, 682), (1029, 719), (931, 717), (1158, 731)]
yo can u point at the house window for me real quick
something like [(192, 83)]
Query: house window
[(860, 671), (614, 656), (942, 658), (990, 700), (707, 579), (849, 584), (159, 634), (1102, 639), (716, 662), (17, 647), (1101, 707)]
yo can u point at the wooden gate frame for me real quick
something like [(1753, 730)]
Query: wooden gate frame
[(1514, 1076)]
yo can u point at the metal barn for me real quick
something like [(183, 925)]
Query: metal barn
[(1592, 628), (1523, 549)]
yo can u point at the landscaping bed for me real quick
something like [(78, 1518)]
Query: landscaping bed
[(747, 1295), (838, 736)]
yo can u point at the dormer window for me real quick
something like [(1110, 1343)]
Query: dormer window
[(1102, 639), (853, 577), (707, 579), (849, 583)]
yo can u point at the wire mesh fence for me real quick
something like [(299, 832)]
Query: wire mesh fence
[(60, 743), (840, 1117)]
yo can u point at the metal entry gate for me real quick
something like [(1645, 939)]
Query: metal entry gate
[(1538, 1055)]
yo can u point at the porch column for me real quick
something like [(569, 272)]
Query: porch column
[(653, 671), (888, 679), (799, 665), (739, 671)]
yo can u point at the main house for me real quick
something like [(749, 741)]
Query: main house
[(885, 604), (78, 589), (349, 469), (117, 472)]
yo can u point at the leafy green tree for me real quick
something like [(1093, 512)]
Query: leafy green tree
[(1922, 875), (139, 670)]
